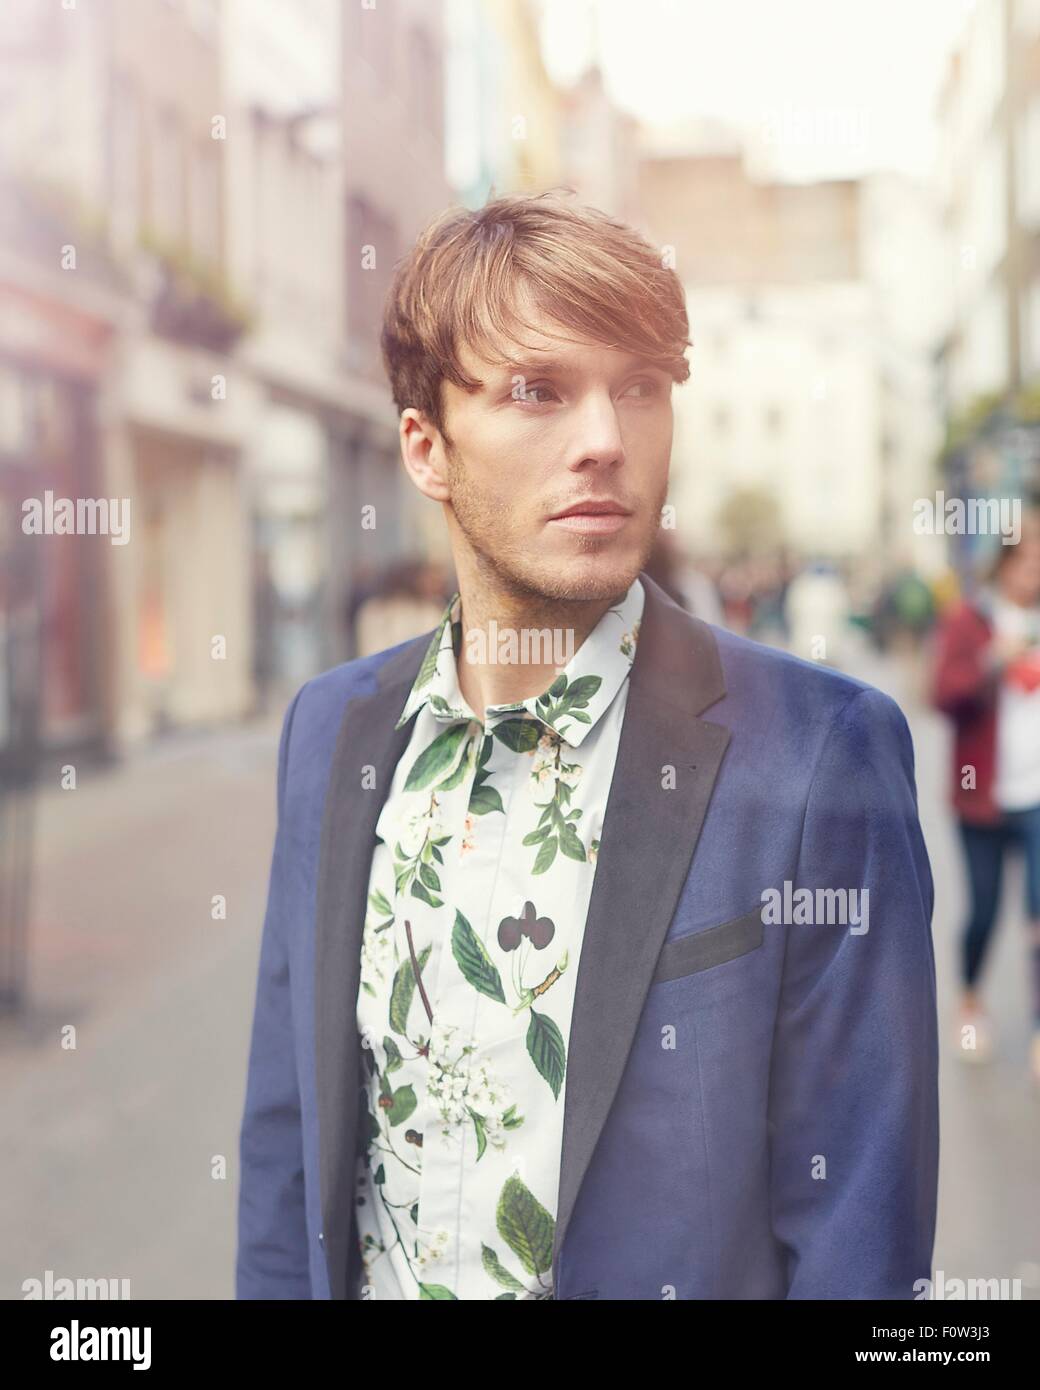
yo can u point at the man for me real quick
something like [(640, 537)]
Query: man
[(597, 960)]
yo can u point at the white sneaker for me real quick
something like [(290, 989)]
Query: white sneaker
[(974, 1039)]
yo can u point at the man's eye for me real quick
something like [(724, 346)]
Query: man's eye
[(649, 383), (530, 393)]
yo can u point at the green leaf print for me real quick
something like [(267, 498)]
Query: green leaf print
[(437, 1291), (437, 758), (521, 735), (581, 691), (393, 1054), (561, 702), (403, 1103), (403, 991), (429, 877), (420, 891), (428, 669), (483, 800), (525, 1226), (497, 1270), (473, 960), (459, 775), (546, 855), (537, 836), (547, 1050), (381, 903), (478, 1125), (571, 844)]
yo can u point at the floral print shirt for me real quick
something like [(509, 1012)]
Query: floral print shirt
[(480, 883)]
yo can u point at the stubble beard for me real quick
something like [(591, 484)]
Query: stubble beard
[(503, 565)]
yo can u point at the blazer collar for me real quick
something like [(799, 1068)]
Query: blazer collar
[(675, 676)]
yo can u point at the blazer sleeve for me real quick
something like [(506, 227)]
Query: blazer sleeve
[(854, 1104), (272, 1258)]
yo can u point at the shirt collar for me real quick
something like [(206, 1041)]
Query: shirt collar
[(573, 702)]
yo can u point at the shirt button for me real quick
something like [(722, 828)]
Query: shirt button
[(321, 1237)]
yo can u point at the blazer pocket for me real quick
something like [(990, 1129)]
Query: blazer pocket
[(715, 945)]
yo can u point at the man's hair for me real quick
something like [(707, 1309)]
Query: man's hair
[(582, 268)]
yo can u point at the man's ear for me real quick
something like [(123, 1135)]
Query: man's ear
[(423, 453)]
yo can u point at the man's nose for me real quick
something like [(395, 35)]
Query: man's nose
[(598, 431)]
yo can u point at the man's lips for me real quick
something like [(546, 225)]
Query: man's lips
[(595, 516), (592, 506), (592, 522)]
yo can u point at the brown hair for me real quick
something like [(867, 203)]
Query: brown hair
[(584, 269)]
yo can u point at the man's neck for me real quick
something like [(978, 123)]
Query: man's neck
[(504, 637)]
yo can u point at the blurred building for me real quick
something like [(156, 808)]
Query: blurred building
[(504, 113), (123, 170), (197, 236), (600, 147), (393, 143), (809, 393), (988, 185)]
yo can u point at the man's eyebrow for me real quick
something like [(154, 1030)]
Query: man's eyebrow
[(554, 366), (530, 368)]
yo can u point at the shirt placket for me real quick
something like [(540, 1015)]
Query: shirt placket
[(456, 1193)]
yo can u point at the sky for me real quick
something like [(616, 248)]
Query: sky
[(820, 88)]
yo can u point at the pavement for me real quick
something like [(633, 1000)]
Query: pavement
[(118, 1157)]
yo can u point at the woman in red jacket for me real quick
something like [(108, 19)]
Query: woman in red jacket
[(987, 679)]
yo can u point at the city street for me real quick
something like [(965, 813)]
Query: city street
[(111, 1150)]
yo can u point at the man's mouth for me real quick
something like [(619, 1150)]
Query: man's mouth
[(592, 517)]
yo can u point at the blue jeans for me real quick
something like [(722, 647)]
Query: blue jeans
[(984, 851)]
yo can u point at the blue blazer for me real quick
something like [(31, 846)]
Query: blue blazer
[(751, 1108)]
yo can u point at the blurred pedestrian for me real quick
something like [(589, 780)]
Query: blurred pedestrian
[(818, 612), (987, 680), (409, 602)]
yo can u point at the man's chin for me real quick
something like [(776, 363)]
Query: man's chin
[(587, 578)]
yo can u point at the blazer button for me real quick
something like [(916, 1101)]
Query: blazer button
[(321, 1237)]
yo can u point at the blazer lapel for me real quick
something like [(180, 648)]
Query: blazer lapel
[(640, 871), (367, 740)]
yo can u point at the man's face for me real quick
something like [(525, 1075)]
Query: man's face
[(565, 424)]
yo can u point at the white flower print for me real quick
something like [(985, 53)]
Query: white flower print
[(377, 955), (464, 1085), (435, 1250), (419, 826)]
